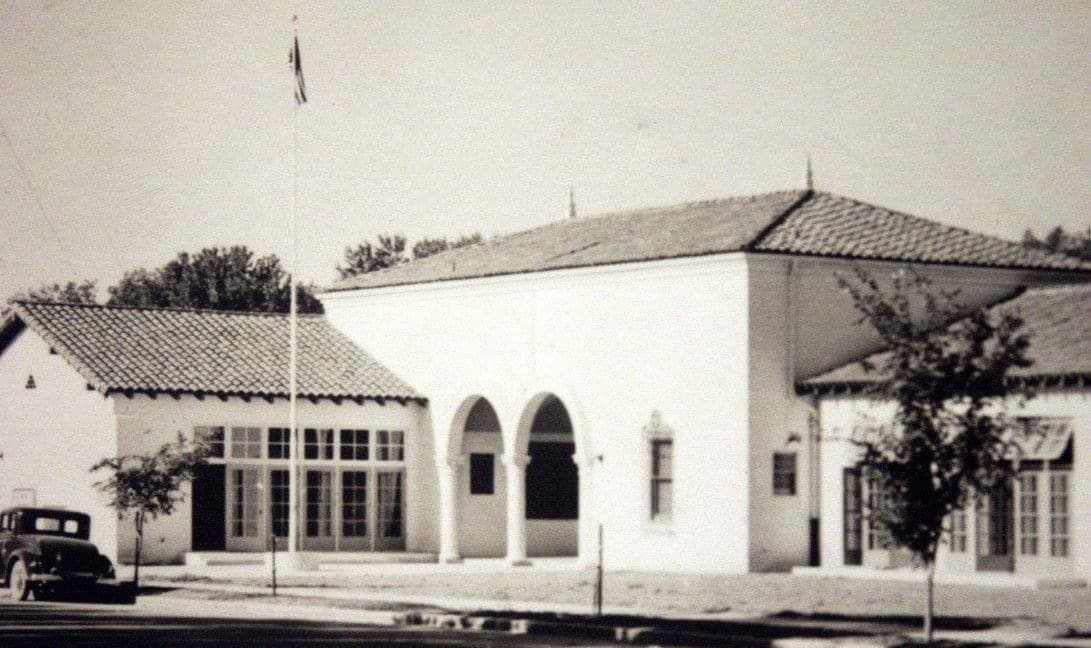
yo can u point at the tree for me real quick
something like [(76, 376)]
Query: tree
[(72, 292), (366, 257), (1075, 244), (215, 278), (428, 246), (947, 375), (147, 486)]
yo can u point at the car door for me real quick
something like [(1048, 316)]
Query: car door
[(5, 543)]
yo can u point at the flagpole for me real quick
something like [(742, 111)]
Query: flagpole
[(293, 342)]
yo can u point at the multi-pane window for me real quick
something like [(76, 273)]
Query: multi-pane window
[(213, 436), (354, 445), (482, 470), (279, 443), (1058, 514), (1028, 514), (390, 504), (958, 531), (317, 444), (662, 479), (279, 502), (784, 473), (246, 443), (354, 503), (390, 445), (876, 500)]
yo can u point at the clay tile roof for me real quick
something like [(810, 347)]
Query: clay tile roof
[(207, 352), (784, 222), (1057, 320)]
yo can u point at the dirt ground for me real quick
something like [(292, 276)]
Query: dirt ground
[(750, 594)]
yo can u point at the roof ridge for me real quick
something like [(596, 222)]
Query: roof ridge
[(756, 240), (168, 309)]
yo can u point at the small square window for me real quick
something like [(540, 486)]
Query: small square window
[(482, 474), (212, 436), (246, 443), (279, 443), (784, 473), (354, 445), (390, 445), (317, 444)]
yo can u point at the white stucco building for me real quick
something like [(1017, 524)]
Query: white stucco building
[(638, 372), (672, 340), (81, 383), (1037, 528)]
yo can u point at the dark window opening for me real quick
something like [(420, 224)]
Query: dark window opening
[(482, 474), (784, 473), (552, 482)]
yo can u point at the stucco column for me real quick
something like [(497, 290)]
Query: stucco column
[(587, 542), (449, 468), (516, 468)]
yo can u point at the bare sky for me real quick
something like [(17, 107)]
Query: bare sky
[(140, 129)]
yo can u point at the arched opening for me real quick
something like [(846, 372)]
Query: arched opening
[(482, 492), (552, 481)]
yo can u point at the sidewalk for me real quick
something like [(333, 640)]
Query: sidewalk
[(623, 624)]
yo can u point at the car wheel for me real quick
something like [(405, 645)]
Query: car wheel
[(19, 581)]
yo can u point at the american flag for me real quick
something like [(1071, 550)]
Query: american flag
[(297, 70)]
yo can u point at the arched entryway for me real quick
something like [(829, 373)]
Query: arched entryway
[(552, 486), (482, 492)]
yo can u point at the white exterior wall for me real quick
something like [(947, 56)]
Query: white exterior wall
[(53, 434), (613, 343), (145, 423), (840, 414), (481, 534)]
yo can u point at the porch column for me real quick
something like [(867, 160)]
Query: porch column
[(448, 469), (516, 468), (587, 540)]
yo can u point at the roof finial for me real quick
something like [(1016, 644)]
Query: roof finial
[(810, 174), (571, 202)]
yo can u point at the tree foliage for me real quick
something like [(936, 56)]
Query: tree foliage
[(389, 251), (1075, 244), (72, 292), (428, 246), (946, 373), (365, 257), (148, 486), (229, 278)]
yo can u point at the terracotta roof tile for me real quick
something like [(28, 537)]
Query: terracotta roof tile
[(216, 352), (1057, 320), (785, 222)]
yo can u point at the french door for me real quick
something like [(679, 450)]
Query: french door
[(994, 530), (318, 527), (245, 528), (390, 510)]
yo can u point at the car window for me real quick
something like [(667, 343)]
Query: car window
[(47, 524), (4, 522)]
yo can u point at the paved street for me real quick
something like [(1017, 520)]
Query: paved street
[(207, 623)]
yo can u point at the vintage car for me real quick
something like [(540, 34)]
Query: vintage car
[(47, 550)]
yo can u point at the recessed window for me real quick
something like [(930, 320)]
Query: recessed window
[(662, 479), (279, 443), (354, 445), (482, 474), (213, 437), (246, 443), (784, 473), (390, 445), (317, 444)]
